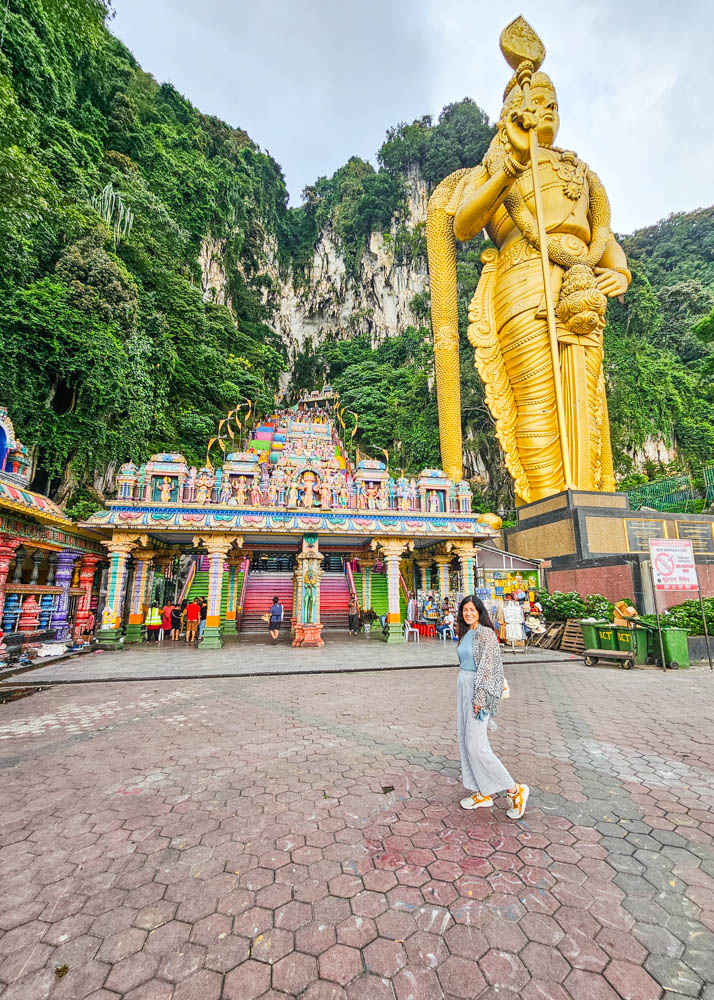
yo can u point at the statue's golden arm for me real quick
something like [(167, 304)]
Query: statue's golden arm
[(612, 273), (481, 197)]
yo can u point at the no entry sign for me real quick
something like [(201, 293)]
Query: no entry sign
[(673, 566)]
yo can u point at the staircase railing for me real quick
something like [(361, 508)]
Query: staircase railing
[(187, 582), (350, 579), (403, 585), (241, 599)]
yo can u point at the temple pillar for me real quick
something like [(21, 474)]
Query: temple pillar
[(228, 625), (217, 547), (424, 565), (392, 550), (467, 560), (139, 594), (109, 634), (87, 568), (63, 578), (308, 627), (443, 563), (8, 546), (367, 563)]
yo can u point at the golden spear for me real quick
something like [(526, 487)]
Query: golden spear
[(524, 52)]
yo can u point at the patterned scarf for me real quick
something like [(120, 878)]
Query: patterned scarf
[(488, 684)]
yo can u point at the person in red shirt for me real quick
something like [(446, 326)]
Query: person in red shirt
[(193, 617), (166, 620)]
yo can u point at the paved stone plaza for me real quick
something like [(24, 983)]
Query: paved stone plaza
[(301, 836)]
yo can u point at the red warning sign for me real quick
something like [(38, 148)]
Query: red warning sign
[(673, 566)]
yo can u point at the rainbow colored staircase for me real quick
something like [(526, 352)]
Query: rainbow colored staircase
[(260, 590), (334, 601)]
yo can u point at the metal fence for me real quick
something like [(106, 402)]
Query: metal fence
[(674, 494), (709, 482)]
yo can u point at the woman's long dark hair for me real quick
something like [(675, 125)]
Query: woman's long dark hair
[(483, 616)]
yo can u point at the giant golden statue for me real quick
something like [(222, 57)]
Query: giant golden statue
[(537, 316)]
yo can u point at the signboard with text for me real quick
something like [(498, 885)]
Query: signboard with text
[(673, 566)]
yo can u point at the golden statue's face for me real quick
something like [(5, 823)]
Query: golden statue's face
[(545, 105)]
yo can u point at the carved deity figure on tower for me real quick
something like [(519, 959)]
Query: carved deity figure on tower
[(538, 349)]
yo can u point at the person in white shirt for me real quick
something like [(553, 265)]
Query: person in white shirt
[(412, 609)]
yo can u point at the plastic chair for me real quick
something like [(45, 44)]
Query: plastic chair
[(410, 630), (443, 632)]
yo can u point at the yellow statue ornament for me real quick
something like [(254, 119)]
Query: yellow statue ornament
[(538, 343)]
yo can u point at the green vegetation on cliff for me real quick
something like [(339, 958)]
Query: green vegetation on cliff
[(109, 184)]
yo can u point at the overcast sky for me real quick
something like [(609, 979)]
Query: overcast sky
[(317, 81)]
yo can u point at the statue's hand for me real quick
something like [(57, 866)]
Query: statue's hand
[(610, 283), (518, 124)]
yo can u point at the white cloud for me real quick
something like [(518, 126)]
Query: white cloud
[(317, 81)]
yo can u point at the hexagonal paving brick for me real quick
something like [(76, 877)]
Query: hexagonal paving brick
[(588, 986), (340, 964), (120, 945), (252, 922), (356, 932), (271, 945), (544, 962), (211, 929), (294, 973), (384, 957), (167, 937), (416, 981), (461, 978), (132, 972), (181, 964), (248, 981), (293, 915), (503, 969), (203, 985), (396, 925), (315, 937), (369, 987)]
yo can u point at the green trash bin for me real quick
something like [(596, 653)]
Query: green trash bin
[(590, 636), (633, 640), (607, 637), (676, 649)]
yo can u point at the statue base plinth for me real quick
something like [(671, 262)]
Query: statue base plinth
[(211, 638), (308, 635), (134, 633), (393, 633), (229, 627), (109, 638), (593, 543)]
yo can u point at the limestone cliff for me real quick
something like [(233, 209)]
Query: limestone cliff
[(328, 301)]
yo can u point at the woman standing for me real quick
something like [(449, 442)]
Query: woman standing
[(176, 613), (479, 690)]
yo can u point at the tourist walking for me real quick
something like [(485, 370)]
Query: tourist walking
[(203, 603), (176, 613), (478, 691), (353, 613), (153, 622), (193, 617), (276, 619)]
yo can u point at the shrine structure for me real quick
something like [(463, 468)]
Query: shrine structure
[(292, 499), (49, 569)]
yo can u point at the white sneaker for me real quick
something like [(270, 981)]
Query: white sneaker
[(517, 802), (476, 801)]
